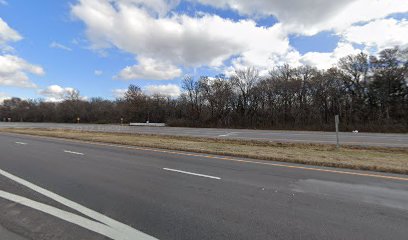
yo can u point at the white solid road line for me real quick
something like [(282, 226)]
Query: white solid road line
[(126, 230), (21, 143), (191, 173), (77, 153)]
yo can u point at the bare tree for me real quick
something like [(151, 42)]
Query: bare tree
[(368, 92), (244, 82), (194, 97)]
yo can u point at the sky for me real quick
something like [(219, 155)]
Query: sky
[(49, 48)]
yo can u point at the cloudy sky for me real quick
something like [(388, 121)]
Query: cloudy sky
[(49, 47)]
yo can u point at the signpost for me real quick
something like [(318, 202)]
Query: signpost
[(337, 130)]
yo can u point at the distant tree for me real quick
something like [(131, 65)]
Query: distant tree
[(193, 97), (370, 93), (244, 83), (137, 108), (388, 88)]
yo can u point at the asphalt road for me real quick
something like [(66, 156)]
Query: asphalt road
[(364, 139), (134, 193)]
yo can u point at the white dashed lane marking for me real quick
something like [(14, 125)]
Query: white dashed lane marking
[(191, 173), (76, 153)]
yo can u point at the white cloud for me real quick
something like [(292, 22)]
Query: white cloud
[(119, 93), (55, 93), (3, 96), (155, 7), (149, 69), (380, 34), (3, 2), (8, 34), (164, 43), (14, 70), (313, 16), (98, 72), (176, 40), (374, 36), (325, 60), (169, 90), (60, 46)]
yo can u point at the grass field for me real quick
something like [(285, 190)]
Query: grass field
[(393, 160)]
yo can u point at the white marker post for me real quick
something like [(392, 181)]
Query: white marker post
[(336, 118)]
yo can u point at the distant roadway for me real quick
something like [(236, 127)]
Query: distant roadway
[(349, 138), (65, 189)]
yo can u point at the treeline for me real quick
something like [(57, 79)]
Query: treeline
[(370, 93)]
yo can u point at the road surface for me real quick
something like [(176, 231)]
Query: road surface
[(72, 190), (365, 139)]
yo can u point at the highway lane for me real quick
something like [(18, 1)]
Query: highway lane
[(177, 195), (364, 139)]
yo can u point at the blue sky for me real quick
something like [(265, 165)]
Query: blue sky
[(65, 68), (100, 47)]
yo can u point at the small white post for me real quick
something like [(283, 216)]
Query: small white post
[(337, 130)]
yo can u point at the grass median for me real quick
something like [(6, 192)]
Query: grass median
[(392, 160)]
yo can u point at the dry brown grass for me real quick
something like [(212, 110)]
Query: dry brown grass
[(393, 160)]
